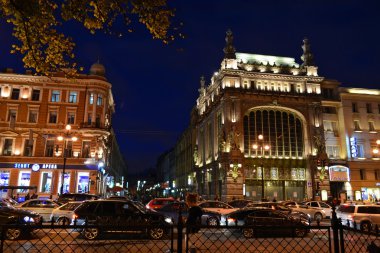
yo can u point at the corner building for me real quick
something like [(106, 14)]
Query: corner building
[(259, 128), (34, 111)]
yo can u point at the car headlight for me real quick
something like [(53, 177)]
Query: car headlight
[(28, 219), (168, 220)]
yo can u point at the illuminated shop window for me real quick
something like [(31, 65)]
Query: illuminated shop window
[(24, 180), (83, 182), (66, 182), (4, 179), (45, 184)]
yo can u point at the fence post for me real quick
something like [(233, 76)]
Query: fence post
[(180, 230), (335, 226)]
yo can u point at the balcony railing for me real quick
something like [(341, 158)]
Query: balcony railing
[(94, 125)]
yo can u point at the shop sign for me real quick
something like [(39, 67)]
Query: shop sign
[(339, 173), (35, 167), (354, 151)]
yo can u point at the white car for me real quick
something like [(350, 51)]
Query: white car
[(319, 204), (366, 217), (217, 206), (62, 215), (40, 206), (315, 213)]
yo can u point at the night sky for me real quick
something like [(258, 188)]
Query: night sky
[(155, 86)]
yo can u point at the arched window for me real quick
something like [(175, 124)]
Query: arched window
[(282, 130)]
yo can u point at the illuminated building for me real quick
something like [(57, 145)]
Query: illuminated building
[(34, 111)]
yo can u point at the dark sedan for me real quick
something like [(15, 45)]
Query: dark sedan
[(172, 210), (270, 222), (22, 218)]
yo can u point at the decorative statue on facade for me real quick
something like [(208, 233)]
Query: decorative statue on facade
[(307, 57), (222, 141), (195, 155), (234, 138), (229, 49)]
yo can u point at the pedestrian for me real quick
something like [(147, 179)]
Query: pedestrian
[(34, 196), (194, 216), (27, 197)]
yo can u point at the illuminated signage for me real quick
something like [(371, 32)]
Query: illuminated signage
[(339, 173), (354, 150), (35, 167)]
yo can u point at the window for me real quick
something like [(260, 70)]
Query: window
[(359, 151), (97, 120), (83, 182), (7, 147), (49, 150), (66, 182), (70, 117), (12, 113), (53, 117), (89, 118), (86, 149), (355, 107), (73, 97), (45, 184), (28, 148), (362, 174), (91, 98), (23, 180), (330, 126), (36, 95), (357, 126), (332, 151), (33, 116), (377, 174), (369, 107), (69, 149), (327, 93), (55, 96), (15, 94), (100, 100), (371, 126)]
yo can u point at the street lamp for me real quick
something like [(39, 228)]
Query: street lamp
[(65, 138), (263, 147)]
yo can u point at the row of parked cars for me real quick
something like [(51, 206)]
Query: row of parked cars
[(153, 219)]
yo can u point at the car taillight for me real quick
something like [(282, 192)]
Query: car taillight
[(75, 216), (231, 220)]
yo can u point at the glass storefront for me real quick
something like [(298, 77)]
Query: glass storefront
[(24, 179), (66, 182), (83, 182), (4, 181), (45, 182)]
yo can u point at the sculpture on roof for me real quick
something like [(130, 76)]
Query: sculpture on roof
[(229, 49), (307, 57)]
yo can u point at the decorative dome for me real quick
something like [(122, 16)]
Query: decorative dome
[(97, 69)]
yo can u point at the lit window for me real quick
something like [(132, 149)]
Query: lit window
[(332, 151), (91, 98), (23, 180), (73, 97), (46, 180), (7, 147), (357, 125), (55, 96), (371, 126), (100, 100)]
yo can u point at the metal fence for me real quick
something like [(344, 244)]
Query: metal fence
[(336, 238)]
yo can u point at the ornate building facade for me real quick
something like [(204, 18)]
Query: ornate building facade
[(267, 127), (55, 132)]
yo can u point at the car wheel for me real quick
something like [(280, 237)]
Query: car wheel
[(156, 233), (300, 232), (213, 221), (365, 226), (63, 221), (318, 216), (248, 232), (13, 233), (91, 233)]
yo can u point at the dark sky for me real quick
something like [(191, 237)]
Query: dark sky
[(155, 86)]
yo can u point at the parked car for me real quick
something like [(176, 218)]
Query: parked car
[(172, 210), (62, 215), (270, 222), (10, 216), (123, 216), (217, 206), (319, 204), (159, 202), (315, 213), (366, 217), (67, 197), (240, 203), (40, 206)]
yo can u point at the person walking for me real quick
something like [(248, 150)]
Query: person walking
[(194, 216)]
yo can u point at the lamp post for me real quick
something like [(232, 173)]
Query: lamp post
[(263, 147), (65, 138)]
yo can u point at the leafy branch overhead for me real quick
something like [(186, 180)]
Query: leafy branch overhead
[(37, 23)]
